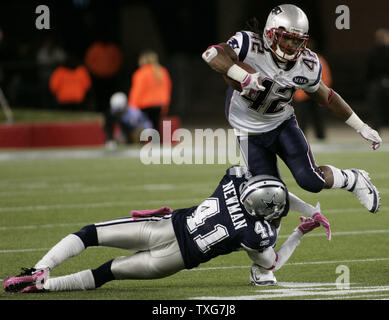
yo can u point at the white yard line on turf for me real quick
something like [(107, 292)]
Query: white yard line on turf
[(295, 264), (371, 297), (74, 188), (134, 153), (236, 267), (60, 225), (98, 205), (79, 188), (287, 293), (135, 203), (50, 225)]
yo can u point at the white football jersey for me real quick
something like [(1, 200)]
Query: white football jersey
[(272, 106)]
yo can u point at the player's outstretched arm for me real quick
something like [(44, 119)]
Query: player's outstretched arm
[(269, 259), (299, 205), (327, 97)]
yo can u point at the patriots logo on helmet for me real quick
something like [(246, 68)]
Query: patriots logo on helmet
[(233, 43), (276, 10)]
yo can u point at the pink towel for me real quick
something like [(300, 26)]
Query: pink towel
[(151, 212)]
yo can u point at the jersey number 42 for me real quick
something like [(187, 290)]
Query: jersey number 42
[(272, 99)]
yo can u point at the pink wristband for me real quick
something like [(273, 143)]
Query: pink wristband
[(246, 81), (216, 46), (329, 99)]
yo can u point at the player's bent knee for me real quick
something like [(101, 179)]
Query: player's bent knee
[(310, 182), (88, 235)]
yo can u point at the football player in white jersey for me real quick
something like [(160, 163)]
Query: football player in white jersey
[(262, 108), (261, 113)]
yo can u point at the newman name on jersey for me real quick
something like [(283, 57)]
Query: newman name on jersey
[(272, 106)]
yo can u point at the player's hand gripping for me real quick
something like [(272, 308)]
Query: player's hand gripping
[(251, 86), (307, 225), (370, 135), (318, 217)]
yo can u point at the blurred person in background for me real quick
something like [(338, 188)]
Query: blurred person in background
[(307, 109), (151, 88), (21, 73), (3, 80), (104, 59), (377, 78), (3, 56), (70, 84), (131, 120), (48, 57)]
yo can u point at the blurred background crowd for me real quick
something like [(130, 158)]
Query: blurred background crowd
[(95, 48)]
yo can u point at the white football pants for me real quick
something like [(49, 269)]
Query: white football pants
[(158, 254)]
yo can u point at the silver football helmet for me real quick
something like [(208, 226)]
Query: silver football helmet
[(264, 196), (118, 102), (286, 32)]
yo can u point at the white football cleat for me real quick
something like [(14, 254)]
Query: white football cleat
[(262, 277), (365, 191)]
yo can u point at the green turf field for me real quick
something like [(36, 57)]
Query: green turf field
[(42, 200)]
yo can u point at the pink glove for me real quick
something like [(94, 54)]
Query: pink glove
[(322, 220), (135, 214), (307, 225)]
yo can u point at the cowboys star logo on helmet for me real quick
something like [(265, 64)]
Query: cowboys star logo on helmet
[(270, 204), (265, 196)]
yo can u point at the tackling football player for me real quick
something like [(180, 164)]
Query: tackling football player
[(260, 111), (238, 215)]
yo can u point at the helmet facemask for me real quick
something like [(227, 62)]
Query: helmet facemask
[(287, 46), (286, 32)]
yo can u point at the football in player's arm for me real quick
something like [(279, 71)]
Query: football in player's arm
[(238, 215)]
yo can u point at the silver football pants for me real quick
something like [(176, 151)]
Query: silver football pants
[(158, 254)]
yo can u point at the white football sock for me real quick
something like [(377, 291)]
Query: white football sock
[(68, 247), (82, 280), (287, 248), (296, 204), (278, 230), (342, 178)]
